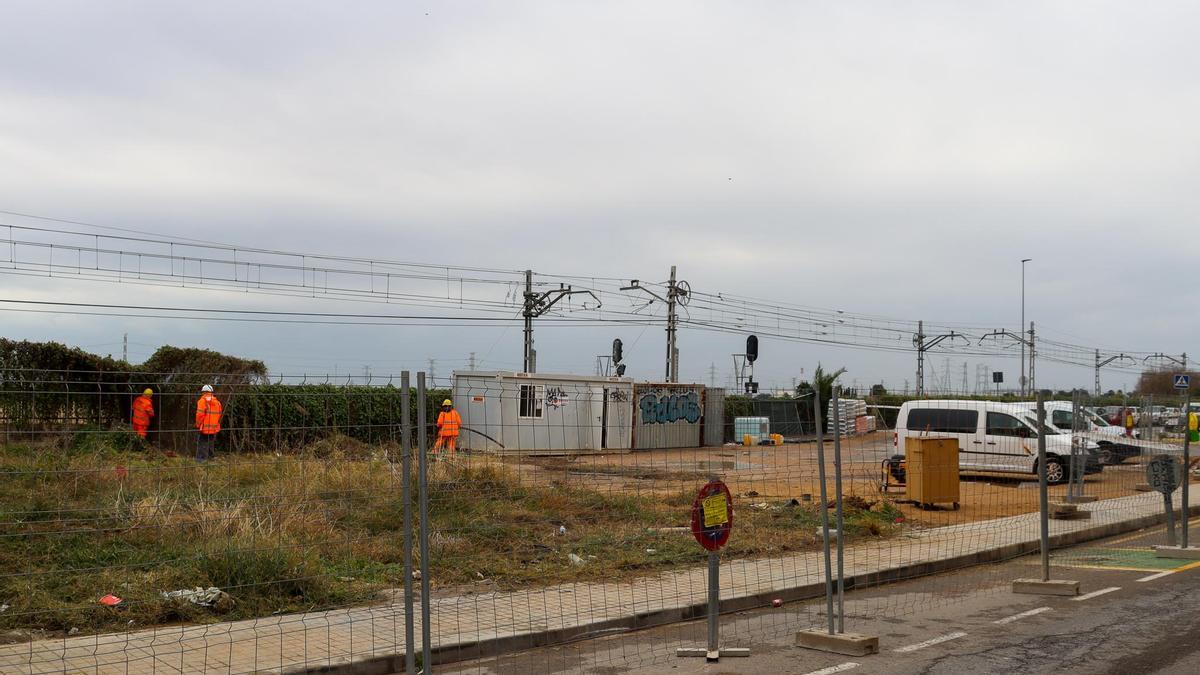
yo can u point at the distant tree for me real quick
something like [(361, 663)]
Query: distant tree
[(878, 390), (821, 382), (1161, 382)]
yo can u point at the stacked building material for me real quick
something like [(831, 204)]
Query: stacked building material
[(849, 410)]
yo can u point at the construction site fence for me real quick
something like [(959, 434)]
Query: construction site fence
[(341, 524)]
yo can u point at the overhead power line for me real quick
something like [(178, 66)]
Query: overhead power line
[(476, 295)]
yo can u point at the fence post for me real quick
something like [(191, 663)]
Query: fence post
[(837, 486), (1182, 551), (410, 656), (849, 644), (824, 508), (1043, 487), (1044, 586), (423, 497)]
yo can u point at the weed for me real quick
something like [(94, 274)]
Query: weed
[(322, 528)]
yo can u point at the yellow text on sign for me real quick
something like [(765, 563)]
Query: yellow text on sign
[(716, 510)]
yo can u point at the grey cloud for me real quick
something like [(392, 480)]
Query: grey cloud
[(914, 153)]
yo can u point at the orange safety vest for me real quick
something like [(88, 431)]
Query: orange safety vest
[(143, 410), (208, 414), (449, 423)]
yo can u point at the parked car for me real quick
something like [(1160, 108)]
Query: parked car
[(992, 437), (1170, 417), (1156, 413), (1114, 413), (1110, 449), (1174, 418)]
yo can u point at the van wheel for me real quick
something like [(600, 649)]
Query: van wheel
[(1055, 471), (1105, 455)]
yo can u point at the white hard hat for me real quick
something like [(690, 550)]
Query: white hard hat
[(207, 387)]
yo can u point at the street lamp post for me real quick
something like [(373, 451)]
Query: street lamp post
[(1024, 380)]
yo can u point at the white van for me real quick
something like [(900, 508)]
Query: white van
[(992, 437), (1111, 450)]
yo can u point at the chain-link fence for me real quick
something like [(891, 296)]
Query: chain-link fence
[(342, 524)]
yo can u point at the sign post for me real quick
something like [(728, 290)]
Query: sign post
[(1185, 501), (1163, 473), (712, 521)]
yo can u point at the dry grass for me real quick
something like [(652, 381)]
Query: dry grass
[(321, 529)]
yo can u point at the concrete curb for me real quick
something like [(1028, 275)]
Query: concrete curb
[(465, 651)]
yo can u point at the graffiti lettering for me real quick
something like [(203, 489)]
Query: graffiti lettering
[(668, 408), (556, 397), (617, 395)]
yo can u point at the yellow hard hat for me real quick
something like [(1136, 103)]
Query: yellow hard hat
[(148, 392), (447, 402)]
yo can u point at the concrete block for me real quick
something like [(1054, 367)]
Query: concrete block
[(847, 644), (1071, 515), (1062, 509), (1189, 553), (1052, 587), (731, 652)]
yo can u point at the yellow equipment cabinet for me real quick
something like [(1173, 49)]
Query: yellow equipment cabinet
[(931, 470)]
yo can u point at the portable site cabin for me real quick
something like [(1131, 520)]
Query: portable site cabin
[(545, 413), (540, 412)]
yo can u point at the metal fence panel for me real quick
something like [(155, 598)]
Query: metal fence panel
[(317, 524)]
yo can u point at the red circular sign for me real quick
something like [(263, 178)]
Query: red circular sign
[(712, 515)]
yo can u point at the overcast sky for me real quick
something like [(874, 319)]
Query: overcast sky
[(886, 158)]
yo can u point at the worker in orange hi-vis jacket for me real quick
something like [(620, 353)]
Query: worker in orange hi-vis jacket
[(143, 410), (208, 423), (448, 424)]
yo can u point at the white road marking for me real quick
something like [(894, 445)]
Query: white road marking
[(1160, 575), (1022, 615), (840, 668), (1102, 591), (931, 642)]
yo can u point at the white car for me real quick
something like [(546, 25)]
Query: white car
[(1110, 450), (992, 437)]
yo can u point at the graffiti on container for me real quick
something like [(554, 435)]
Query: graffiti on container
[(668, 408), (619, 395), (556, 397)]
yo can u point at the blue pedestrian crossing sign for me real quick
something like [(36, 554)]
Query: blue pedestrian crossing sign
[(1183, 381)]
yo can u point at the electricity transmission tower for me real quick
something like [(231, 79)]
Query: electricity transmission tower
[(983, 376)]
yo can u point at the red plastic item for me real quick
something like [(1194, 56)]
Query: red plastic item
[(110, 600)]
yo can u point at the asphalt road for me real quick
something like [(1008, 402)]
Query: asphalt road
[(963, 622)]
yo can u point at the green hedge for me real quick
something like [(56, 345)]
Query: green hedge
[(46, 386), (282, 417)]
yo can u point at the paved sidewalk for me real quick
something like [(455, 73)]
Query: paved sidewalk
[(522, 619)]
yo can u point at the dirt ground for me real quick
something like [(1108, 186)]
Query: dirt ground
[(767, 475)]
